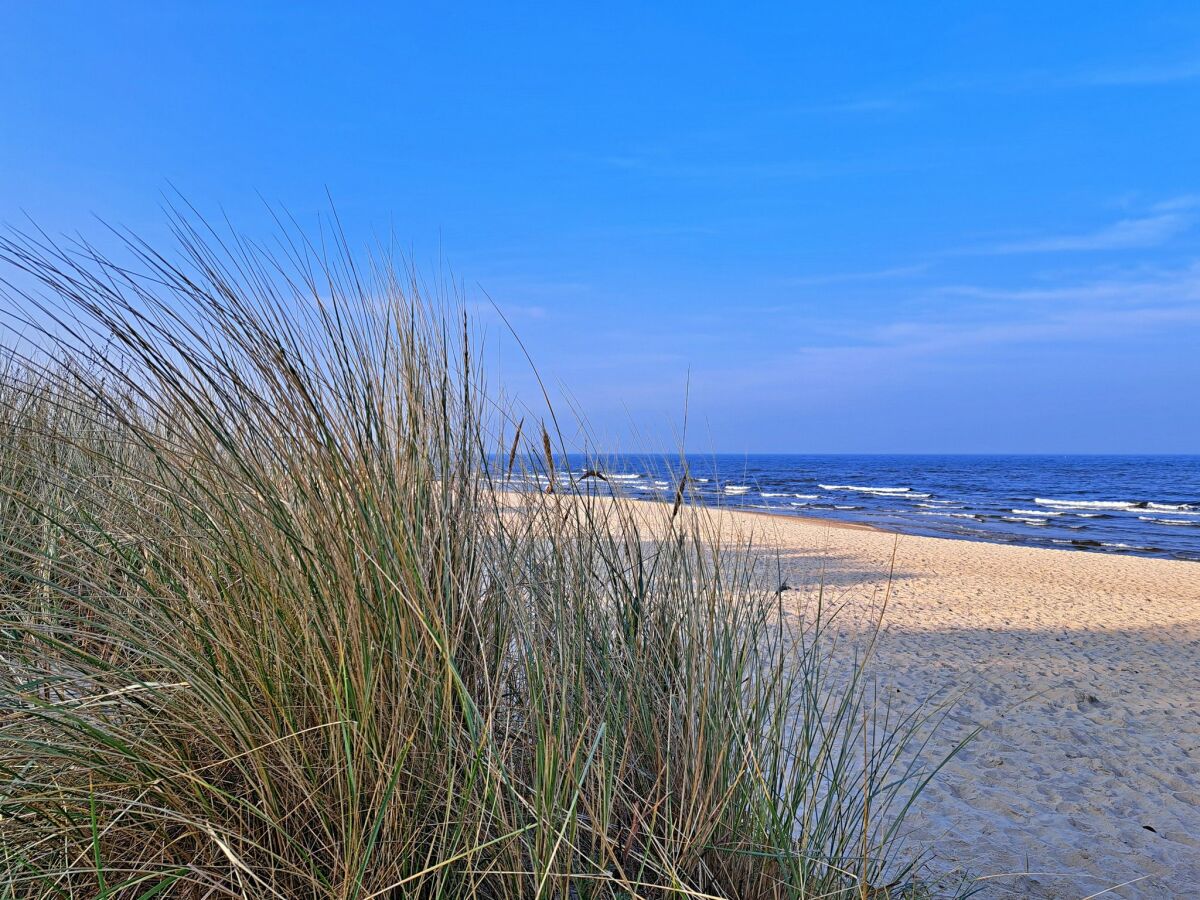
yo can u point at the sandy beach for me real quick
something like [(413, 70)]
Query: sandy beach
[(1084, 670)]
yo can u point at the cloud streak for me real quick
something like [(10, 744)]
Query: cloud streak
[(1156, 227)]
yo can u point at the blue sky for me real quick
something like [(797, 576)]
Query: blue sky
[(855, 228)]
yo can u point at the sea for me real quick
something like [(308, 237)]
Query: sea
[(1137, 505)]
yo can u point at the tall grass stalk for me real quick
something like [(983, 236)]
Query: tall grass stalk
[(271, 624)]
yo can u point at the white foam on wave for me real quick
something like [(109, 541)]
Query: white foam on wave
[(1083, 504), (765, 494), (1168, 521), (1178, 509), (736, 488), (624, 477), (951, 515), (864, 488), (1036, 512), (1024, 520), (807, 496)]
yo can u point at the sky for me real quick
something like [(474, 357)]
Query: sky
[(873, 228)]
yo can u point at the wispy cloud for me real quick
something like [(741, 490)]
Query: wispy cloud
[(852, 277), (867, 105), (1136, 76), (508, 310), (670, 165), (872, 354), (910, 97), (1164, 288), (1155, 227)]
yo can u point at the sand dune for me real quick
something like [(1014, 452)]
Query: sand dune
[(1084, 669)]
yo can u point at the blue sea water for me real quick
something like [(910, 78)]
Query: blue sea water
[(1142, 505)]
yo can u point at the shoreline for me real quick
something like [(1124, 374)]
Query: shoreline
[(842, 525), (1083, 670)]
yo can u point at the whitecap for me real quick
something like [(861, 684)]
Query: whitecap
[(1083, 504), (1036, 512), (1178, 509), (864, 489), (1167, 521)]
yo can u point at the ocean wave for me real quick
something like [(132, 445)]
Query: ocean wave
[(846, 507), (807, 496), (949, 515), (765, 494), (1181, 509), (1084, 504), (1168, 521), (736, 488), (1036, 512), (864, 489), (1023, 520), (624, 477)]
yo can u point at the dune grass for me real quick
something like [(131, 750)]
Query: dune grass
[(271, 624)]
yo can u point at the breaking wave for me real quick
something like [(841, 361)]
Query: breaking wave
[(864, 489)]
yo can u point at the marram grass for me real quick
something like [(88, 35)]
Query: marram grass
[(271, 626)]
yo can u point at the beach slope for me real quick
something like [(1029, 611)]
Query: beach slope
[(1084, 671)]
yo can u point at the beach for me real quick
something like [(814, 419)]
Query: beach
[(1083, 670)]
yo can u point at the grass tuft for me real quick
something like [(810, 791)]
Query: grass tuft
[(271, 625)]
